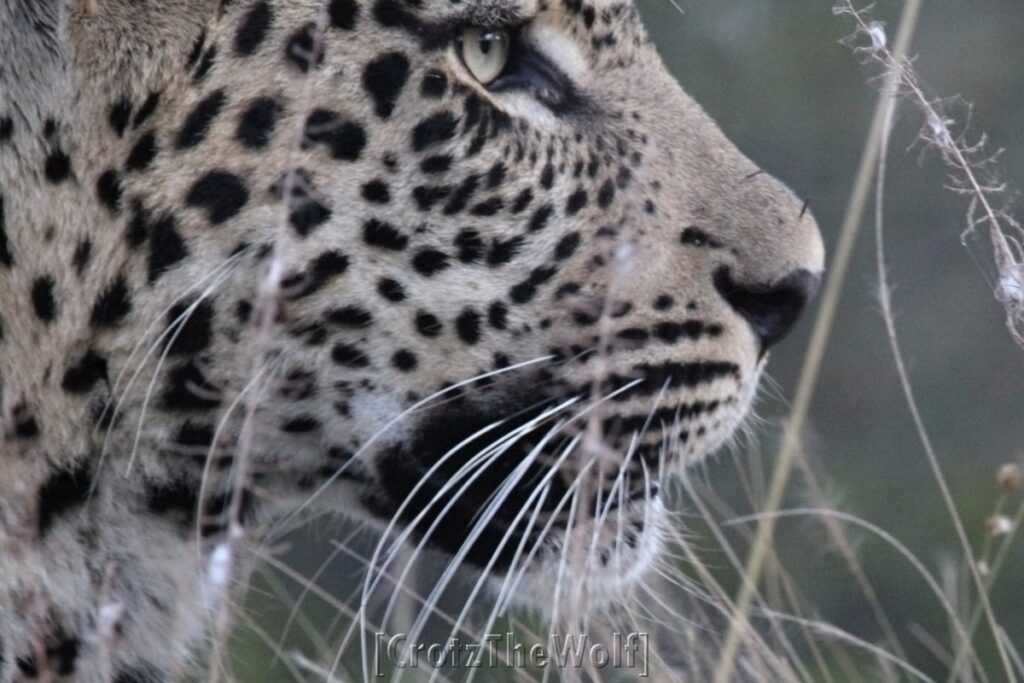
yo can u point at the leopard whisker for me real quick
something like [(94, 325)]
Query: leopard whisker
[(479, 462), (365, 446), (497, 498), (173, 329)]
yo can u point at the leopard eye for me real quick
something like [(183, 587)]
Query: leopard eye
[(485, 52)]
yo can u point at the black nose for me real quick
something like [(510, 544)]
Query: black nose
[(773, 309)]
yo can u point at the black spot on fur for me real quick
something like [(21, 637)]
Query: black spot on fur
[(189, 328), (434, 84), (64, 490), (206, 63), (436, 164), (58, 167), (577, 200), (488, 207), (470, 246), (497, 315), (166, 247), (384, 78), (43, 301), (85, 373), (434, 130), (567, 246), (526, 290), (404, 360), (256, 125), (349, 356), (350, 316), (345, 139), (142, 154), (547, 176), (496, 176), (468, 326), (307, 214), (324, 268), (522, 201), (112, 305), (220, 193), (427, 196), (146, 110), (384, 235), (6, 257), (392, 14), (503, 251), (83, 254), (462, 195), (305, 48), (62, 652), (173, 497), (120, 115), (429, 262), (541, 217), (26, 426), (343, 14), (428, 324), (376, 191), (138, 225), (194, 437), (199, 120), (6, 128), (300, 425), (196, 51), (606, 194), (253, 29), (109, 190), (187, 389), (391, 289)]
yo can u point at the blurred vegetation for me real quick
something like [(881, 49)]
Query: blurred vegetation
[(774, 75)]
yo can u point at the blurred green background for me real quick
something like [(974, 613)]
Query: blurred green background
[(775, 76)]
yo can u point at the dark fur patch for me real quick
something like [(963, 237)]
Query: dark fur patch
[(64, 490), (384, 78), (112, 305), (220, 193)]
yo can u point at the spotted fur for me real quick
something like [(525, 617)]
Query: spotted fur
[(254, 253)]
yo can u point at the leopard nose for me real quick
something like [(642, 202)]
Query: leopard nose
[(771, 309)]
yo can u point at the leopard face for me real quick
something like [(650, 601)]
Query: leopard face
[(480, 273)]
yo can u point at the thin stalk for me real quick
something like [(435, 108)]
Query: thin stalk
[(908, 390), (816, 351)]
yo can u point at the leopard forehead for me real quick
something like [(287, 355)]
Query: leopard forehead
[(298, 237)]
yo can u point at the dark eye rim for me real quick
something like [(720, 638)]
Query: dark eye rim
[(527, 70)]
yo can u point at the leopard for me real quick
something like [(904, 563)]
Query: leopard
[(477, 274)]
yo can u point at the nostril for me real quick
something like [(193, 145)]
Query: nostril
[(771, 309)]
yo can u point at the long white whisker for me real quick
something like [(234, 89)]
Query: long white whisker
[(402, 415), (173, 329), (481, 525), (478, 462)]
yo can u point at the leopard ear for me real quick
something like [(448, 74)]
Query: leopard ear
[(135, 46)]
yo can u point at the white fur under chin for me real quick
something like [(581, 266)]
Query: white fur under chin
[(581, 584)]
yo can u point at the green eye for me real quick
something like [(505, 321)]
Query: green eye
[(485, 52)]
